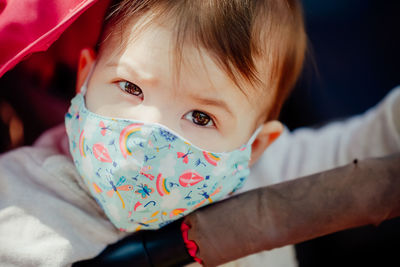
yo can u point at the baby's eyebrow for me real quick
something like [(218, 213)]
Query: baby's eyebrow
[(131, 69), (212, 102)]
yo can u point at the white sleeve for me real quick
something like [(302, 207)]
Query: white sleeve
[(46, 216), (306, 150)]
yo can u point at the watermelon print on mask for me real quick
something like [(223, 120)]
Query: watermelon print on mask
[(143, 175)]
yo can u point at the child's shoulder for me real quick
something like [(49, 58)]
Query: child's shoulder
[(44, 205), (31, 161)]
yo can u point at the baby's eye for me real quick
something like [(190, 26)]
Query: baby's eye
[(199, 118), (131, 88)]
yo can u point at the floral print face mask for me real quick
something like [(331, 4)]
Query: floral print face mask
[(144, 175)]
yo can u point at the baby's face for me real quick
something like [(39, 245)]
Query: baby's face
[(202, 103)]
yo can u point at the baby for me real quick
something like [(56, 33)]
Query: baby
[(250, 54), (174, 104), (179, 100)]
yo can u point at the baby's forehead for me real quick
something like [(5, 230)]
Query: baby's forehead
[(253, 41), (191, 59), (236, 55)]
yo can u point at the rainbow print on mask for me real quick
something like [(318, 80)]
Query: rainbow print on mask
[(143, 175), (211, 158), (162, 185), (82, 144), (124, 136), (176, 212)]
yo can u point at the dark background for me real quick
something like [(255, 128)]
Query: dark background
[(355, 46), (352, 64)]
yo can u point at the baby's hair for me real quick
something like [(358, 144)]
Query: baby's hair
[(238, 34)]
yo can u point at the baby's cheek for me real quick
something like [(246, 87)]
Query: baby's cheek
[(209, 139), (93, 99), (106, 101)]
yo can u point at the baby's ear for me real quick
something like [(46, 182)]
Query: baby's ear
[(270, 131), (86, 60)]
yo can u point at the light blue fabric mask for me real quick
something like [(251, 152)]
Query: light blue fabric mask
[(144, 175)]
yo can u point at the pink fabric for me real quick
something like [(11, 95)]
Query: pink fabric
[(190, 244), (28, 26)]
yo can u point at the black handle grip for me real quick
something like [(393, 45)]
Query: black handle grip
[(151, 248)]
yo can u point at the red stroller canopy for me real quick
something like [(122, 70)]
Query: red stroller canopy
[(28, 26)]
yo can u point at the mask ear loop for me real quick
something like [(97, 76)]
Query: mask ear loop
[(85, 83), (254, 136)]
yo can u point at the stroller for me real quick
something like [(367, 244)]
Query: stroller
[(50, 79)]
